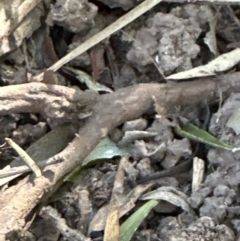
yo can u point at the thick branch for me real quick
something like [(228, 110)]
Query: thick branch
[(110, 111), (54, 101)]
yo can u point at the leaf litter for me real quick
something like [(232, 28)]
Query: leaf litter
[(170, 38)]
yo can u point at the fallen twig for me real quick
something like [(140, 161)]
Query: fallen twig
[(29, 161), (108, 112), (55, 101), (116, 26), (49, 213)]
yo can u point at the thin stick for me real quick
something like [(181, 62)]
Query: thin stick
[(117, 25), (51, 214), (23, 169), (114, 27), (29, 161)]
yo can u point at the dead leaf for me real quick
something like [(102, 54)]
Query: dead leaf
[(222, 63)]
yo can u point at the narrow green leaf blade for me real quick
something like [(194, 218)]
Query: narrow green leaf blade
[(129, 227), (194, 133)]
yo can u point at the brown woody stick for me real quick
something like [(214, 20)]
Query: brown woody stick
[(110, 111)]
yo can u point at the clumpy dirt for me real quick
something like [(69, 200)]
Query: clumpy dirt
[(170, 38)]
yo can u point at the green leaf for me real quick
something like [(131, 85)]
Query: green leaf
[(129, 227), (106, 149), (194, 133)]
